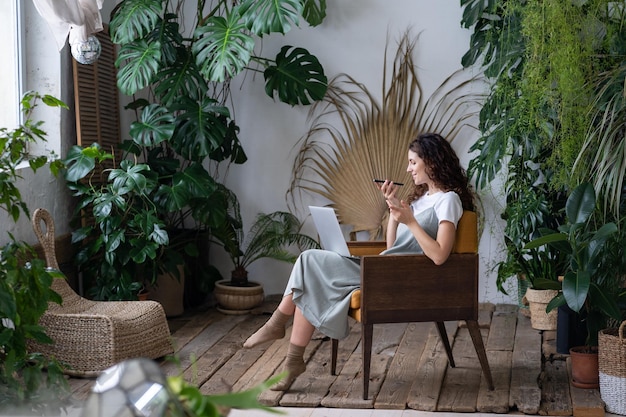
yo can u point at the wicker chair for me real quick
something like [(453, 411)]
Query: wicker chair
[(90, 336)]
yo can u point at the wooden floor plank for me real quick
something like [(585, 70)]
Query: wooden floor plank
[(265, 366), (432, 368), (201, 344), (234, 361), (310, 387), (525, 394), (347, 390), (502, 330), (348, 370), (385, 342), (496, 400), (460, 389), (193, 327), (585, 402), (499, 347), (403, 369), (555, 393)]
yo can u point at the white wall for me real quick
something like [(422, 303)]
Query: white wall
[(351, 40)]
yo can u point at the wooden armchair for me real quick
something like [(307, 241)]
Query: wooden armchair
[(411, 288)]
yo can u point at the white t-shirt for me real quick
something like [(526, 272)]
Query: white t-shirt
[(429, 210)]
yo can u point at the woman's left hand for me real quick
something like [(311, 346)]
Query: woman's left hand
[(400, 211)]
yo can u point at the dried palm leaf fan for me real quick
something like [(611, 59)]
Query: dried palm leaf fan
[(339, 164)]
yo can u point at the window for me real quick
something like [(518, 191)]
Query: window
[(10, 75)]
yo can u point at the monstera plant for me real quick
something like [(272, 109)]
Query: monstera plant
[(176, 59)]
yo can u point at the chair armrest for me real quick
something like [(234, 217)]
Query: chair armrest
[(401, 288), (366, 247)]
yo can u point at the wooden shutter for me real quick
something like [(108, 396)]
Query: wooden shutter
[(97, 107), (96, 98)]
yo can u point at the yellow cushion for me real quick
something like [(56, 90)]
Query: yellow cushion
[(466, 233), (355, 299)]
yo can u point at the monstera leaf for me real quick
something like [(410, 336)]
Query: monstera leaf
[(297, 77), (141, 62), (134, 20), (267, 16), (223, 48)]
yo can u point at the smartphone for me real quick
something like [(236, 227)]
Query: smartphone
[(399, 184)]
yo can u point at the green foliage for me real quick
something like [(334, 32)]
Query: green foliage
[(552, 106), (128, 238), (165, 178), (25, 282), (221, 46), (194, 403), (270, 236), (590, 279), (14, 145)]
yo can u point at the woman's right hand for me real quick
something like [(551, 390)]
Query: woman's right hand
[(389, 189)]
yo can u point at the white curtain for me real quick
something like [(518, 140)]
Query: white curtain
[(79, 18)]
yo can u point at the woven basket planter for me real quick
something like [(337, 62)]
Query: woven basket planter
[(612, 367), (537, 302), (238, 300)]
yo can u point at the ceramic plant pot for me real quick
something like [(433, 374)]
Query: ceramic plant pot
[(585, 373), (238, 300)]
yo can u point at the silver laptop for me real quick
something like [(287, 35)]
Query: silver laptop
[(329, 231)]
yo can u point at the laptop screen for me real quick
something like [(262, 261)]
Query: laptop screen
[(329, 231)]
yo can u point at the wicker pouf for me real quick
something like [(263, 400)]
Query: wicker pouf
[(238, 300), (537, 302), (612, 367)]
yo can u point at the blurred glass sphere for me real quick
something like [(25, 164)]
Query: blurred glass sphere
[(87, 52)]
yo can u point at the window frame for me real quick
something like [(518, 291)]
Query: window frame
[(13, 75)]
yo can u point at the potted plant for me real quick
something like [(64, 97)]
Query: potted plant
[(270, 236), (590, 282), (127, 238), (25, 283), (164, 184)]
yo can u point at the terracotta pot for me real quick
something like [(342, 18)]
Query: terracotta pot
[(585, 373), (238, 300)]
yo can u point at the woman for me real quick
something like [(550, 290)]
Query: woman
[(318, 291)]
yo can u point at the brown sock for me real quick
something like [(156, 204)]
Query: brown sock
[(273, 329), (294, 365)]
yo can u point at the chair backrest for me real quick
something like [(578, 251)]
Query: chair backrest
[(466, 233), (466, 239), (46, 239)]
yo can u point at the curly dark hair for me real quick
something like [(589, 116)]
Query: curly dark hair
[(443, 167)]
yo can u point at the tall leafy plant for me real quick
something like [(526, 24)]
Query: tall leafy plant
[(176, 59), (25, 281), (590, 283), (539, 57)]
